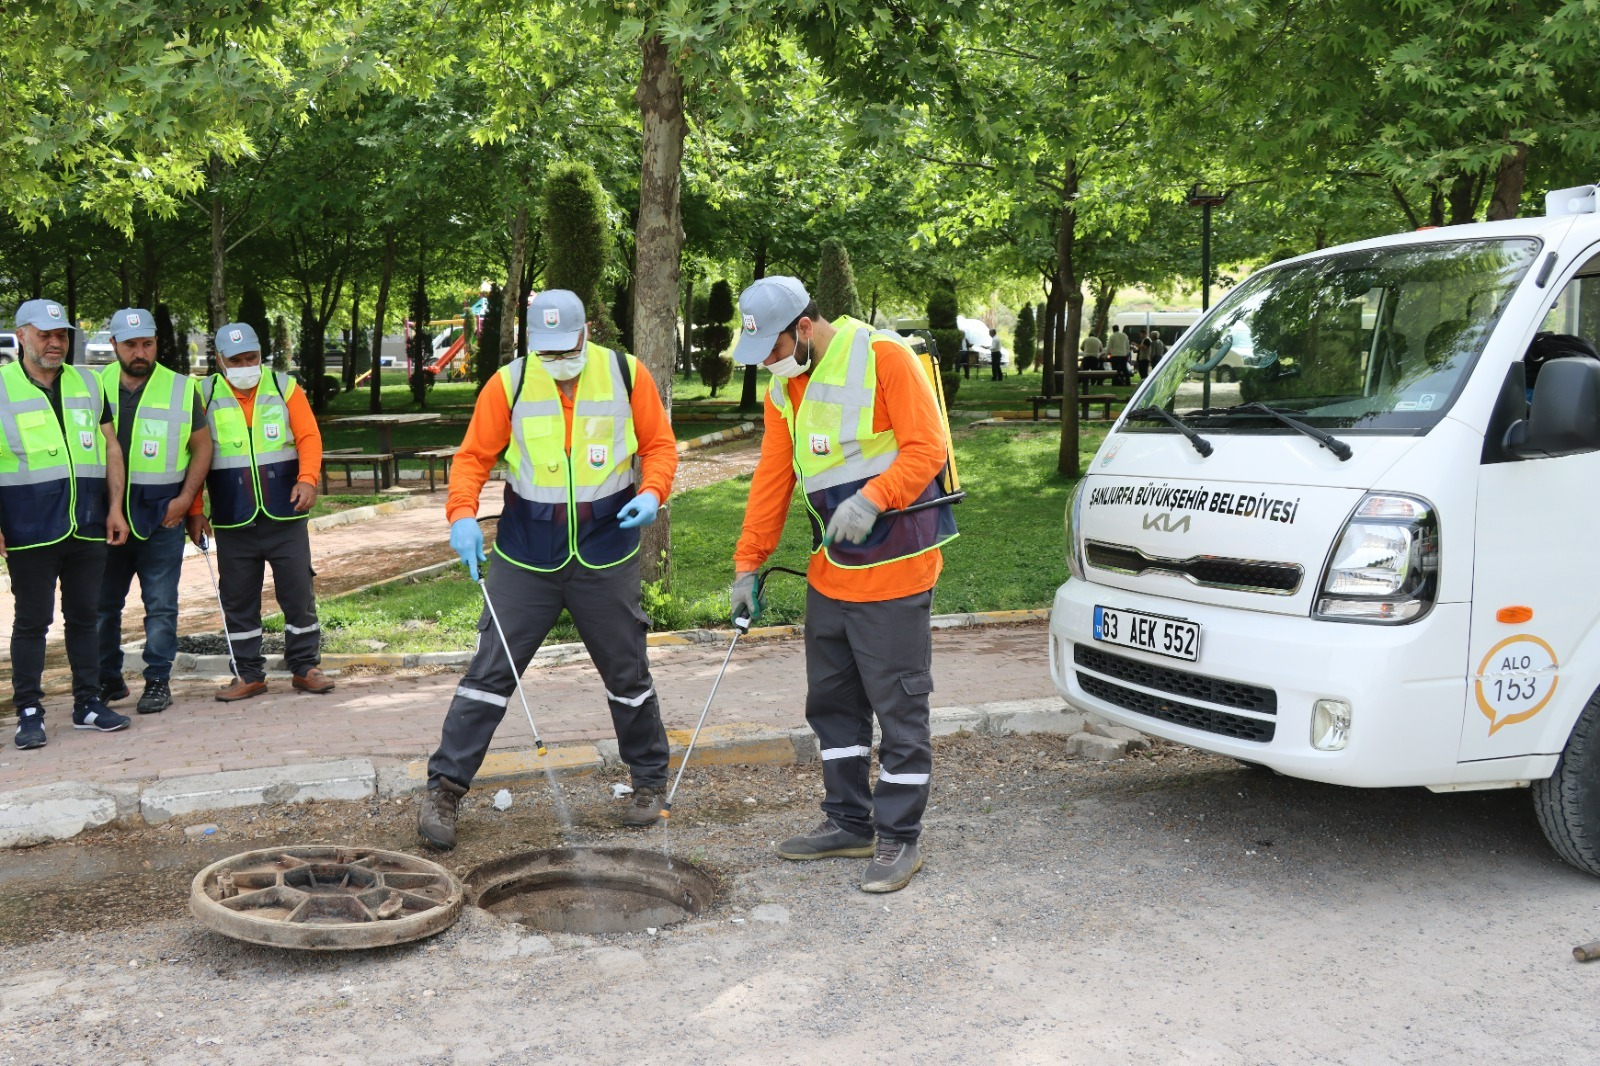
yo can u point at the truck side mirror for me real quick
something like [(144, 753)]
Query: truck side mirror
[(1565, 416)]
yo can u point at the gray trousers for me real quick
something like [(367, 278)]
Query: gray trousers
[(243, 555), (604, 605), (866, 659)]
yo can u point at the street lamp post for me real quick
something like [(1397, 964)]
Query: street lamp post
[(1205, 199)]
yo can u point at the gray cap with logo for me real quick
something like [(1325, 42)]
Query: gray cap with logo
[(236, 338), (132, 323), (765, 310), (43, 314), (556, 321)]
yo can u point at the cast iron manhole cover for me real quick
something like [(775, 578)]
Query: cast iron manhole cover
[(591, 890), (325, 898)]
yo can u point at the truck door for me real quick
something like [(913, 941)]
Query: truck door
[(1535, 549)]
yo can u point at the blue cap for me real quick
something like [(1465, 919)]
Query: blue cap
[(765, 310), (43, 314), (236, 338), (556, 321), (131, 323)]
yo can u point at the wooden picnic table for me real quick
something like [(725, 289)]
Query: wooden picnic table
[(385, 424)]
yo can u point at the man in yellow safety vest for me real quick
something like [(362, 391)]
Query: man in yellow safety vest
[(60, 505)]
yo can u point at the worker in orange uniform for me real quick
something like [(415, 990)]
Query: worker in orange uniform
[(570, 420), (852, 414), (265, 464)]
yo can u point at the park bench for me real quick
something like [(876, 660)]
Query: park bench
[(382, 464), (1085, 401), (438, 455)]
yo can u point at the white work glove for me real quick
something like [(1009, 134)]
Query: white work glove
[(852, 521)]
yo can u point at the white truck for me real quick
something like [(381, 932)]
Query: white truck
[(1370, 557)]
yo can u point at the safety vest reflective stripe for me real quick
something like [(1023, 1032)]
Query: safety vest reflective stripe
[(52, 471), (164, 403), (255, 464)]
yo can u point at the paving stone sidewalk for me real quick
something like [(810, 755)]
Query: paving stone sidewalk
[(390, 719)]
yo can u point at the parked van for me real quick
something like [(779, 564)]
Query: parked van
[(1369, 559)]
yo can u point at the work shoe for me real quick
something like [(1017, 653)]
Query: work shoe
[(112, 691), (94, 714), (240, 689), (30, 728), (645, 808), (436, 820), (313, 681), (827, 841), (157, 696), (891, 868)]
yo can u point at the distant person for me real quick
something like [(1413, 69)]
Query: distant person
[(162, 430), (994, 356), (60, 505), (966, 357), (1141, 359), (265, 465), (1090, 350), (1117, 350), (1158, 348)]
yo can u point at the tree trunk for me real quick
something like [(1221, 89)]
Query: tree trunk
[(872, 315), (749, 399), (1508, 182), (1435, 206), (510, 313), (522, 303), (1050, 331), (349, 370), (1104, 294), (380, 310), (1072, 297), (217, 301), (657, 250), (1463, 199), (80, 351)]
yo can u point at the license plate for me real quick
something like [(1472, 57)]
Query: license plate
[(1147, 632)]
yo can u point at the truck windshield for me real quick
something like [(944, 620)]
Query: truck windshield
[(1379, 340)]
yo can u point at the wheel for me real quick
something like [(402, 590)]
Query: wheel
[(1225, 374), (331, 385), (1567, 803)]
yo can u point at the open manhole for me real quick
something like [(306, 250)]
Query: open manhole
[(591, 890), (325, 898)]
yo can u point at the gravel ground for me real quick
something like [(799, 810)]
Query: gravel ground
[(1169, 907)]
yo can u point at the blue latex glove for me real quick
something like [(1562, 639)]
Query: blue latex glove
[(466, 537), (639, 511)]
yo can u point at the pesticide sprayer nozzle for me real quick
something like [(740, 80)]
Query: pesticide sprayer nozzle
[(542, 750)]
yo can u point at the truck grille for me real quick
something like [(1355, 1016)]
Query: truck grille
[(1179, 682), (1222, 723), (1209, 571)]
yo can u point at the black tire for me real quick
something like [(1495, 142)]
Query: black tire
[(1225, 374), (1567, 803), (331, 386)]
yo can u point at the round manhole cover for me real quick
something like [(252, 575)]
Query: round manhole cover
[(591, 890), (325, 898)]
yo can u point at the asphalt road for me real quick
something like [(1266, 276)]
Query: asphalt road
[(1170, 907)]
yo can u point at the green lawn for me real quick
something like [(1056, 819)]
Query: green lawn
[(1009, 555)]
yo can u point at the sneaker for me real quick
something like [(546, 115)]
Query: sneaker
[(891, 868), (827, 841), (436, 819), (645, 808), (30, 728), (112, 691), (96, 715), (157, 696)]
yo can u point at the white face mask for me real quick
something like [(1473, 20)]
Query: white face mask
[(243, 377), (788, 366), (567, 367)]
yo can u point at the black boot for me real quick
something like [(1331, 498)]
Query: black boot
[(157, 697)]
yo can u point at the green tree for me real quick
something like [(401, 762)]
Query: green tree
[(713, 335), (577, 234), (943, 312), (1023, 339), (168, 353), (280, 345), (486, 357), (311, 357), (836, 282), (253, 313)]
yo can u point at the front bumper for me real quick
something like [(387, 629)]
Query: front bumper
[(1406, 686)]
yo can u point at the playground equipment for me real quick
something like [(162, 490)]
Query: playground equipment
[(447, 352)]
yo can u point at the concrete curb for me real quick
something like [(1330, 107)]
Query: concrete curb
[(62, 811), (363, 514), (188, 664), (743, 429)]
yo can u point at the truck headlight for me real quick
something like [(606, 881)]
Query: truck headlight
[(1074, 542), (1384, 568)]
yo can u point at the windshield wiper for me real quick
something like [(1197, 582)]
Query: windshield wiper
[(1147, 414), (1338, 447)]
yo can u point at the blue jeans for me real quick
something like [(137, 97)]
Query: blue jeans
[(158, 562)]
